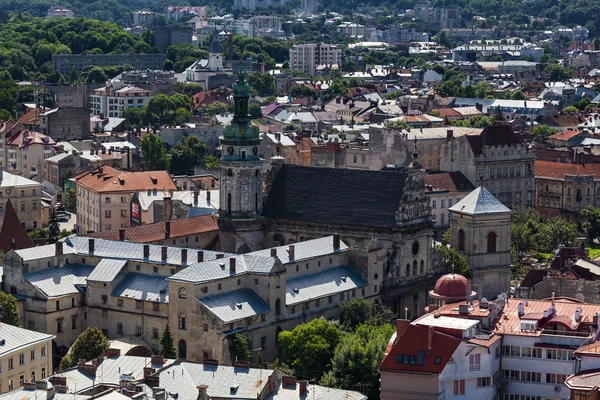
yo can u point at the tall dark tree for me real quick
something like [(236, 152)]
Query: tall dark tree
[(154, 154), (186, 154), (9, 312), (167, 346)]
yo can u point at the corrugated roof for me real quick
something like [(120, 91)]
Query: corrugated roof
[(11, 180), (315, 392), (16, 338), (56, 282), (107, 270), (220, 268), (303, 250), (143, 287), (479, 201), (322, 284), (107, 179), (236, 305)]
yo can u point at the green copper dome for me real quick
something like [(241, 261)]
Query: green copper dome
[(241, 131)]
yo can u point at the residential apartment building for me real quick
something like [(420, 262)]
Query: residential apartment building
[(565, 189), (26, 198), (142, 17), (25, 151), (351, 29), (114, 99), (263, 23), (497, 156), (172, 35), (25, 356), (60, 12), (66, 123), (104, 196), (65, 63), (204, 296), (444, 190), (438, 18), (306, 57)]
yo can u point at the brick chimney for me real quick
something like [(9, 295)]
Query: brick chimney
[(207, 196), (113, 353), (167, 229), (146, 251), (91, 244), (232, 265), (202, 392), (336, 242), (163, 253), (168, 208), (184, 256), (59, 248), (220, 255), (122, 234), (89, 369), (292, 252), (303, 387), (156, 359), (449, 134), (401, 325), (274, 252), (148, 371), (196, 192), (200, 256), (429, 338)]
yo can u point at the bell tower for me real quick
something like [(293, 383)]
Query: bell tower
[(215, 53), (241, 204)]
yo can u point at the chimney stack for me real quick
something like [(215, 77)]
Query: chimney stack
[(163, 253), (146, 251), (220, 255), (196, 197), (291, 252), (202, 392), (59, 247), (167, 229), (303, 387), (336, 242), (200, 256), (274, 252), (429, 338), (184, 256), (168, 208), (449, 134), (207, 195), (91, 244), (122, 234), (232, 265)]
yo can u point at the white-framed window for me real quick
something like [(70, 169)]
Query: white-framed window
[(474, 362)]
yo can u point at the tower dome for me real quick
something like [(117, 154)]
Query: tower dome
[(451, 288)]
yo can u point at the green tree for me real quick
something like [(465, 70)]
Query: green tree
[(518, 95), (154, 154), (355, 362), (211, 162), (543, 132), (167, 347), (524, 227), (556, 72), (254, 110), (96, 75), (240, 347), (134, 115), (186, 154), (214, 108), (9, 312), (89, 345), (308, 348), (360, 311), (397, 124), (453, 261), (53, 226), (571, 110), (591, 221), (71, 200), (303, 91), (262, 83), (554, 232), (8, 91)]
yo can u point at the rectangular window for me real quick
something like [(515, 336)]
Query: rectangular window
[(263, 342), (433, 204), (22, 359), (138, 304), (138, 330), (474, 362), (104, 299), (32, 355), (74, 322), (10, 364), (119, 302), (155, 333), (32, 376), (43, 372), (21, 380), (43, 351), (155, 306), (119, 328), (459, 387), (442, 203), (108, 214), (421, 358), (483, 382), (11, 384)]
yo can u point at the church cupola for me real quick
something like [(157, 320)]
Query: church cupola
[(215, 53)]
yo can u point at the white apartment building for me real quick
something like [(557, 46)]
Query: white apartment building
[(115, 98), (104, 196), (351, 29), (25, 356), (265, 22), (60, 12), (142, 17), (306, 57)]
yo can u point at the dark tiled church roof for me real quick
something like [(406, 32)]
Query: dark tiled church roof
[(336, 196), (11, 229)]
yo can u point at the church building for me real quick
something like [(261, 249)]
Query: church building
[(293, 203)]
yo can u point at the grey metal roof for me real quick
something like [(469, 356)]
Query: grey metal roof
[(184, 378), (304, 250), (38, 394), (40, 252), (316, 392), (236, 305), (322, 284), (143, 287), (56, 282), (107, 270), (479, 201), (17, 338), (220, 268)]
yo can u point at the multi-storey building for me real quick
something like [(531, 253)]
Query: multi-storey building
[(351, 29), (438, 18), (25, 151), (306, 57), (114, 99), (265, 22), (204, 296), (309, 6), (174, 13), (60, 12), (496, 155), (26, 198), (172, 35), (25, 356), (104, 196), (65, 63), (66, 123), (142, 17)]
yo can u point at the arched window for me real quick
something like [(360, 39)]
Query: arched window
[(414, 268), (422, 267), (182, 322), (407, 270), (376, 276), (182, 349), (461, 240), (277, 307), (277, 332), (182, 293), (491, 242)]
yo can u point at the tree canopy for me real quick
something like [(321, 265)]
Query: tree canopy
[(453, 261), (186, 154), (167, 347), (591, 221), (154, 154), (9, 312), (89, 345), (360, 311)]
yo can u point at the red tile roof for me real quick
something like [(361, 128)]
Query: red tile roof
[(501, 135), (11, 229), (415, 339), (27, 138), (107, 179), (450, 181), (554, 170), (565, 135), (567, 119), (447, 112), (32, 116), (151, 233)]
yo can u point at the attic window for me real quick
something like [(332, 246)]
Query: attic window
[(296, 290), (438, 360), (233, 389), (343, 279), (121, 181), (154, 180), (238, 306)]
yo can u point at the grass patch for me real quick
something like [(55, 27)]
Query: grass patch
[(544, 256), (594, 250)]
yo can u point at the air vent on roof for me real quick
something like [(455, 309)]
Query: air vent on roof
[(222, 265), (343, 279), (296, 290), (2, 342), (239, 306)]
